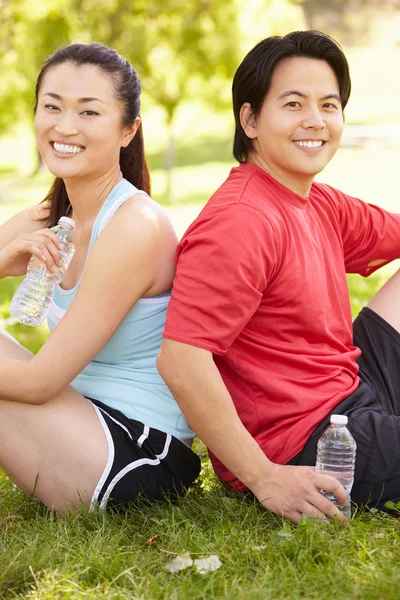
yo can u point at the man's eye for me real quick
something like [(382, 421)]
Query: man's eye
[(330, 106), (293, 104)]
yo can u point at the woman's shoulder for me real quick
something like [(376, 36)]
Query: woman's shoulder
[(141, 210), (140, 222)]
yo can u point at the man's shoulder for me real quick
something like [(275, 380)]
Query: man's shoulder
[(243, 188), (327, 191)]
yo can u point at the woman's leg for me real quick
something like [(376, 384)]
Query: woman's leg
[(57, 449), (386, 302)]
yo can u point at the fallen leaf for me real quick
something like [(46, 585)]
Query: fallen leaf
[(154, 538), (180, 562), (206, 565), (285, 534)]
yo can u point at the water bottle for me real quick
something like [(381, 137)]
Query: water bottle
[(336, 456), (32, 299)]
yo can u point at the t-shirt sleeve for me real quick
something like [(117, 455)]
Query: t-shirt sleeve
[(224, 264), (371, 235)]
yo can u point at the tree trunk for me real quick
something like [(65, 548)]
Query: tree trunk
[(309, 14), (169, 164), (39, 164)]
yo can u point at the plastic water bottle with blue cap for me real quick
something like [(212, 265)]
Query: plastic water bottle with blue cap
[(32, 299), (336, 456)]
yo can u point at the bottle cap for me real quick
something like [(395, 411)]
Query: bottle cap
[(67, 221), (339, 419)]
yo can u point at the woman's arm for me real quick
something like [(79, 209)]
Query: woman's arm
[(123, 264)]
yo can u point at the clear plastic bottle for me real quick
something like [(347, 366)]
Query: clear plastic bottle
[(32, 299), (336, 456)]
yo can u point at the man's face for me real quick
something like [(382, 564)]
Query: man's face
[(300, 124)]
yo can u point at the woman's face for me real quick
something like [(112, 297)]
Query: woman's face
[(78, 122)]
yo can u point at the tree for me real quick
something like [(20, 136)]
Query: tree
[(179, 47), (26, 38), (349, 21)]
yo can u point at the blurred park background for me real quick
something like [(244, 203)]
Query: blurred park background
[(186, 52)]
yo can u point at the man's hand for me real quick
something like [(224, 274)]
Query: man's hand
[(194, 380), (293, 491)]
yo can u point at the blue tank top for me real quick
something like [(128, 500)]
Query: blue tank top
[(124, 374)]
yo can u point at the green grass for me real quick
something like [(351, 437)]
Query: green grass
[(111, 556)]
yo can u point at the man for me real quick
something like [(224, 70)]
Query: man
[(258, 346)]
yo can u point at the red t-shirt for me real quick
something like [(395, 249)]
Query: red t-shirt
[(261, 283)]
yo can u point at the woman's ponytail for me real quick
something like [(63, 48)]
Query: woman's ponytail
[(133, 163)]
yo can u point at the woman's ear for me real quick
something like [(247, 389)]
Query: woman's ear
[(248, 121), (129, 132)]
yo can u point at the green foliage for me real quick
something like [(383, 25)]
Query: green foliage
[(31, 337), (100, 555), (27, 37), (175, 46), (363, 289), (393, 506)]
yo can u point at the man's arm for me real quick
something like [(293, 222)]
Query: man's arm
[(197, 386)]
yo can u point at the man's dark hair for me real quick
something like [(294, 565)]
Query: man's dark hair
[(253, 77)]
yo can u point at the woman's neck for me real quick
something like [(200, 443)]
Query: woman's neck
[(87, 197)]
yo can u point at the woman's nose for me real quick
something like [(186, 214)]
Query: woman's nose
[(66, 124)]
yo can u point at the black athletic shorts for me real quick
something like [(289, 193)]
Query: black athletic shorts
[(142, 461), (373, 411)]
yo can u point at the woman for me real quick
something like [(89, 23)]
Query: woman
[(89, 418)]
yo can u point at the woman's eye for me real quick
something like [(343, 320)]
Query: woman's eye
[(293, 104), (51, 107), (330, 106), (89, 113)]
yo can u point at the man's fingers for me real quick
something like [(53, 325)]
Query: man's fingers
[(328, 508), (294, 517), (332, 485)]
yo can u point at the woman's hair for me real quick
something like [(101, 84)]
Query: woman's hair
[(253, 77), (127, 91)]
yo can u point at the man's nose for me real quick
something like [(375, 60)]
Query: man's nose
[(313, 119)]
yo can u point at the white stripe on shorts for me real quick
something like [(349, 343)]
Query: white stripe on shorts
[(110, 460), (117, 422), (144, 436), (135, 465)]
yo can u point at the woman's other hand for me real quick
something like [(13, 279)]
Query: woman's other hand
[(44, 244)]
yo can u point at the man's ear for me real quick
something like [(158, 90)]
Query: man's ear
[(248, 121), (130, 132)]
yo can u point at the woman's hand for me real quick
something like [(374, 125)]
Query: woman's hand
[(44, 244)]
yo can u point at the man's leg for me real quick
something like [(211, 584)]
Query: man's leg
[(374, 408), (386, 302)]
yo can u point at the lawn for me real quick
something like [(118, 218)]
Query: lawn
[(124, 556)]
